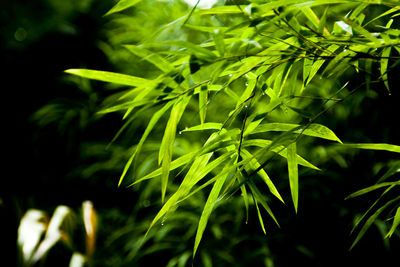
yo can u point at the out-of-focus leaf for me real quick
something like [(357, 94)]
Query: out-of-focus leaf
[(32, 227), (396, 222), (384, 66), (90, 223), (54, 233), (372, 188), (371, 220), (151, 57), (77, 260), (231, 9), (375, 146)]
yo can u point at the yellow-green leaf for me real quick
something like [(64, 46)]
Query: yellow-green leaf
[(122, 5), (111, 77), (293, 174), (396, 222)]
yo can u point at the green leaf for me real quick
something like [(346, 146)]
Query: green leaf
[(174, 164), (372, 188), (167, 143), (204, 126), (260, 217), (110, 77), (219, 42), (314, 129), (293, 173), (183, 189), (396, 222), (371, 220), (203, 99), (208, 207), (254, 165), (156, 117), (371, 207), (281, 150), (231, 9), (260, 198), (384, 66), (122, 5), (375, 146)]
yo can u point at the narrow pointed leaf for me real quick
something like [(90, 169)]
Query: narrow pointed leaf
[(374, 146), (146, 133), (205, 126), (371, 220), (372, 188), (281, 150), (167, 144), (208, 207), (122, 5), (293, 174), (384, 66), (203, 98), (111, 77), (253, 163), (314, 129), (396, 222)]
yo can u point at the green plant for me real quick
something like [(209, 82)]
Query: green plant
[(232, 89)]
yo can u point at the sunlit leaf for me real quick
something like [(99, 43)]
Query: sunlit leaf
[(167, 143), (122, 5), (315, 130), (146, 133), (111, 77)]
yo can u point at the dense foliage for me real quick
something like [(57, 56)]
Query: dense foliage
[(231, 106)]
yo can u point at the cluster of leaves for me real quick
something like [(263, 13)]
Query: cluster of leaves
[(255, 67)]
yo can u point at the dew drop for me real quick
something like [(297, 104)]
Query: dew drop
[(162, 224), (247, 84), (247, 222), (245, 106), (180, 132), (230, 75)]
